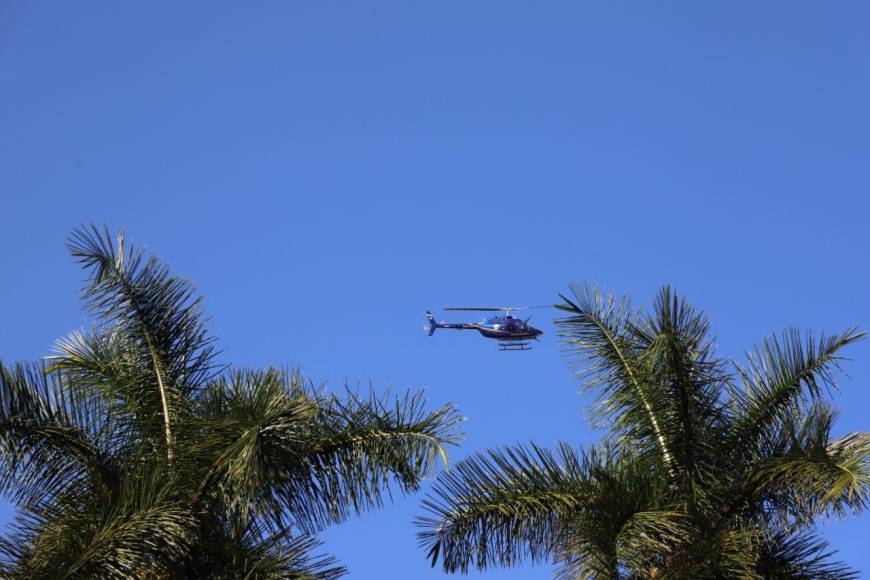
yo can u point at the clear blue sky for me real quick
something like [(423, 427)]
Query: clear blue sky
[(327, 171)]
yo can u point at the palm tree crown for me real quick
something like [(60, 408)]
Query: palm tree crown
[(708, 469), (132, 453)]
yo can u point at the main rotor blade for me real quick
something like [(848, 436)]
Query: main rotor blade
[(497, 308)]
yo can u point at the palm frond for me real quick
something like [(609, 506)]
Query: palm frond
[(624, 524), (648, 537), (784, 373), (153, 310), (818, 474), (143, 534), (308, 459), (104, 363), (729, 553), (137, 293), (501, 508), (594, 512), (253, 423), (642, 544), (276, 557), (51, 439), (606, 356), (802, 556), (359, 449), (252, 551), (681, 367)]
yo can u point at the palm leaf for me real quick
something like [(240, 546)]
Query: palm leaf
[(51, 439), (106, 364), (681, 367), (608, 359), (784, 372), (812, 472), (153, 310), (143, 534), (309, 460), (802, 556), (358, 450), (592, 512), (228, 550), (501, 508)]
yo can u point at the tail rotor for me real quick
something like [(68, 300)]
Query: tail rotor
[(430, 327)]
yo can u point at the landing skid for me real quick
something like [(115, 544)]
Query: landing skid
[(514, 345)]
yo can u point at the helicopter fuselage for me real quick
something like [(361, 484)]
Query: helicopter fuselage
[(501, 328)]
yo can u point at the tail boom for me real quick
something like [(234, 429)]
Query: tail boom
[(433, 324)]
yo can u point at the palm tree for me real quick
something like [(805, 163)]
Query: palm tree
[(131, 453), (708, 469)]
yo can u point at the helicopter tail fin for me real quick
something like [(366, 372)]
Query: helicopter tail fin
[(432, 325)]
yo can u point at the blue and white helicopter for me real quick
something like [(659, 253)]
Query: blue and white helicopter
[(510, 332)]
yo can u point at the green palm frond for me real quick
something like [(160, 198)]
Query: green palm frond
[(227, 551), (303, 458), (359, 449), (500, 508), (279, 558), (592, 512), (139, 297), (802, 556), (681, 365), (696, 553), (643, 542), (624, 522), (816, 473), (51, 440), (785, 372), (271, 558), (157, 314), (649, 537), (254, 421), (140, 535), (142, 544), (609, 359), (104, 364)]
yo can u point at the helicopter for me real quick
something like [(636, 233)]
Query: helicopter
[(510, 332)]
